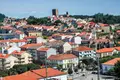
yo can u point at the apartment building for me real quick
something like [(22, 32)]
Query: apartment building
[(23, 57), (7, 61)]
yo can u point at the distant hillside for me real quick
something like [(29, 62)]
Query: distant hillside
[(100, 17), (2, 16)]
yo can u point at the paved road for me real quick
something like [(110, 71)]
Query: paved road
[(89, 76)]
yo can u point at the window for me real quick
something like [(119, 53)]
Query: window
[(106, 68)]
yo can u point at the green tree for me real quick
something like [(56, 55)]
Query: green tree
[(2, 16), (70, 71), (79, 65), (20, 68), (76, 69), (117, 69), (59, 67), (32, 66)]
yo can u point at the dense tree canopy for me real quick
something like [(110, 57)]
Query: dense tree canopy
[(2, 16), (40, 21), (100, 17), (117, 69), (18, 69)]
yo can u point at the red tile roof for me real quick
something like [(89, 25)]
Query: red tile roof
[(35, 74), (31, 45), (17, 53), (3, 56), (117, 48), (104, 50), (83, 48), (14, 40), (29, 37), (43, 49), (61, 57), (112, 62)]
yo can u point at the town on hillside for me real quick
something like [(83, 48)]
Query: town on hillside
[(60, 47)]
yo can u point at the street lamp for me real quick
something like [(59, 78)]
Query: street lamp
[(98, 76), (46, 66)]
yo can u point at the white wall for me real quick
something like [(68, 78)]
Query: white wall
[(67, 47), (60, 77), (12, 60), (50, 52), (13, 48)]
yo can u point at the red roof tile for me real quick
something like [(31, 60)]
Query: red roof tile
[(14, 40), (35, 74), (43, 49), (61, 57), (83, 48), (31, 45), (2, 56), (112, 62), (17, 53), (104, 50)]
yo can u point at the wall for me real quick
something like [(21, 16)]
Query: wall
[(60, 77), (104, 67), (66, 47)]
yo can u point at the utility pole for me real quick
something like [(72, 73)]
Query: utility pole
[(46, 66), (98, 76)]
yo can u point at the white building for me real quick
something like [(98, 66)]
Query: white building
[(83, 52), (109, 64), (64, 60), (7, 61)]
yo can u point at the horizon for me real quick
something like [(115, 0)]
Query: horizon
[(43, 8)]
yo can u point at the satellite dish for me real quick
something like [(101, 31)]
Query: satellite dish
[(77, 40)]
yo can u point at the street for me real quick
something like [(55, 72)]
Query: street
[(88, 76)]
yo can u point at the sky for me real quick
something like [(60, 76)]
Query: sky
[(43, 8)]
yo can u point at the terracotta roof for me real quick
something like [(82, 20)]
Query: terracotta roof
[(28, 37), (17, 53), (2, 56), (104, 50), (112, 62), (117, 48), (103, 25), (35, 74), (118, 31), (102, 40), (31, 45), (43, 49), (14, 40), (61, 57), (7, 27), (83, 48), (19, 32)]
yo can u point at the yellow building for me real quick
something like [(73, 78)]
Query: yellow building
[(34, 33)]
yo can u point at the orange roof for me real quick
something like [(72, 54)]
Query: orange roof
[(83, 48), (42, 49), (17, 53), (61, 57), (31, 45), (19, 32), (28, 37), (104, 50), (2, 56), (35, 74), (13, 40), (118, 31), (112, 62), (117, 48)]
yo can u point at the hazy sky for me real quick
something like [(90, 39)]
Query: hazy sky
[(41, 8)]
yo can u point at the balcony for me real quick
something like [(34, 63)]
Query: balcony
[(6, 63), (21, 58)]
